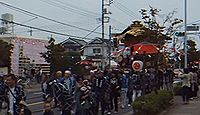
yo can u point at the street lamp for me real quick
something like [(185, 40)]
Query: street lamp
[(185, 37)]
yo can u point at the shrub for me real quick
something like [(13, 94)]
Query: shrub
[(152, 103)]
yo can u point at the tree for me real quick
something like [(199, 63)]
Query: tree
[(5, 54), (193, 54), (160, 26), (59, 59), (166, 24)]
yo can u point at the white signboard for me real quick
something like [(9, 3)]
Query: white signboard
[(3, 71)]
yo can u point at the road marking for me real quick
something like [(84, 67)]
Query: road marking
[(37, 103), (37, 93)]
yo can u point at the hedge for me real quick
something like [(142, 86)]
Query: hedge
[(152, 103)]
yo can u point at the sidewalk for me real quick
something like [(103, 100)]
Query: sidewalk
[(193, 108)]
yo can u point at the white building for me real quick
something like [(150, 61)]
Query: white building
[(97, 48), (26, 53)]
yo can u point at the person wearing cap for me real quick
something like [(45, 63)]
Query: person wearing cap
[(67, 81)]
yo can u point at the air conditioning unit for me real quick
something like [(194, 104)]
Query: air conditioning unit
[(97, 54)]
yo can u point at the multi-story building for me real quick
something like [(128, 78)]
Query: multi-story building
[(73, 45), (97, 51), (26, 53)]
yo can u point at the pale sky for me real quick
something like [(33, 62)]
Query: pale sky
[(85, 14)]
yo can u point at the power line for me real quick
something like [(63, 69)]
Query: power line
[(125, 8), (44, 30), (118, 22), (92, 31), (128, 14), (78, 8), (87, 34), (19, 11), (48, 18), (119, 6), (61, 6)]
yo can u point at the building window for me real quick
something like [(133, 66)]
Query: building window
[(96, 50), (74, 49)]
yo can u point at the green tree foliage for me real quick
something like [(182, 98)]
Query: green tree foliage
[(193, 54), (59, 59), (154, 28), (162, 28), (162, 24), (5, 53)]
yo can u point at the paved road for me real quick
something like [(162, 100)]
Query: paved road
[(34, 100)]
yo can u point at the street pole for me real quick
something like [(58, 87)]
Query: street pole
[(185, 37), (174, 51), (110, 37), (102, 24)]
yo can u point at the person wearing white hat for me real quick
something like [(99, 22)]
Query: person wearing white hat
[(67, 80)]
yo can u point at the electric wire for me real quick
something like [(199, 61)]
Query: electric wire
[(65, 8), (37, 15), (124, 7), (44, 30), (78, 8), (92, 31), (123, 11), (21, 11)]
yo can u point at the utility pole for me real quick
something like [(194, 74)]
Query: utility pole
[(110, 36), (174, 50), (185, 37), (104, 19), (31, 32), (102, 24)]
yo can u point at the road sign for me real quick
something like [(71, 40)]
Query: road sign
[(192, 28), (179, 34)]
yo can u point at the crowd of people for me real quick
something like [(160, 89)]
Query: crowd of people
[(102, 92)]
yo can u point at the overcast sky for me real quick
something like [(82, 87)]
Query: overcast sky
[(85, 14)]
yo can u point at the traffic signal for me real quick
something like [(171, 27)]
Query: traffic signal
[(180, 34)]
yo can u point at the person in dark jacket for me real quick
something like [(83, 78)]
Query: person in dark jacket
[(23, 109), (48, 109), (61, 97), (15, 94), (99, 87), (83, 98), (3, 97), (115, 91)]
